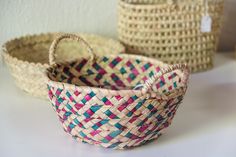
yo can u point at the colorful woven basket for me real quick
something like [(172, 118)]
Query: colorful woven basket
[(27, 57), (169, 30), (115, 101)]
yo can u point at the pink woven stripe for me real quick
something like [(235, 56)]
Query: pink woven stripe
[(135, 72), (76, 93), (109, 138), (143, 128), (118, 97), (108, 103), (90, 112), (78, 106), (158, 69), (87, 97), (71, 98), (95, 132)]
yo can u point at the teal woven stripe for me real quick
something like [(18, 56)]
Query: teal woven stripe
[(97, 66), (71, 125), (175, 84), (104, 99), (92, 94), (67, 114), (162, 83), (68, 94), (95, 108), (115, 133), (105, 59), (90, 72), (138, 61), (132, 76), (82, 134), (146, 66), (150, 107), (99, 124), (151, 74), (60, 100), (122, 70), (119, 126), (68, 106), (139, 104)]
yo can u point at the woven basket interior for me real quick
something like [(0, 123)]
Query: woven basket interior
[(116, 73)]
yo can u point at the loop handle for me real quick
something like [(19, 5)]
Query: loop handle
[(149, 83), (54, 45)]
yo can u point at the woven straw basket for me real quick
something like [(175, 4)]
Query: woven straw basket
[(115, 101), (27, 57), (169, 30)]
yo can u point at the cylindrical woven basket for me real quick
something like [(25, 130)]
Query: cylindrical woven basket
[(169, 30), (114, 101), (27, 57)]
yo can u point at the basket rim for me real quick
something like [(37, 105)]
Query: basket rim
[(5, 52), (122, 92), (151, 6)]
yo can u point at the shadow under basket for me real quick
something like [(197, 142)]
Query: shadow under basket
[(114, 101)]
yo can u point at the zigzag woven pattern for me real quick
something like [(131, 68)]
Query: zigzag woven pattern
[(96, 102)]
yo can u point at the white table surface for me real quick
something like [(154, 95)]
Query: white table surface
[(205, 124)]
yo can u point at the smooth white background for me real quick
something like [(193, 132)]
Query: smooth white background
[(19, 17), (205, 124)]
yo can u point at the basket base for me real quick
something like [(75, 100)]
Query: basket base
[(121, 146)]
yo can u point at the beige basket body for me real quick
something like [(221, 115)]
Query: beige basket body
[(170, 31), (27, 57)]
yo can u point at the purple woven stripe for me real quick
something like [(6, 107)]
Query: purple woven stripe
[(115, 62), (133, 118), (117, 80), (100, 70), (124, 105), (81, 65), (143, 128), (76, 93)]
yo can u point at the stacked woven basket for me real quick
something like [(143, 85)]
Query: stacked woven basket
[(27, 57), (114, 100)]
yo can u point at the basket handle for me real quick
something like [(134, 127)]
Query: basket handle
[(150, 82), (53, 47)]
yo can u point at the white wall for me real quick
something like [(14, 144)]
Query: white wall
[(19, 17)]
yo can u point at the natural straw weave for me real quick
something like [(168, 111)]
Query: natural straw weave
[(169, 30), (115, 101), (27, 57)]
